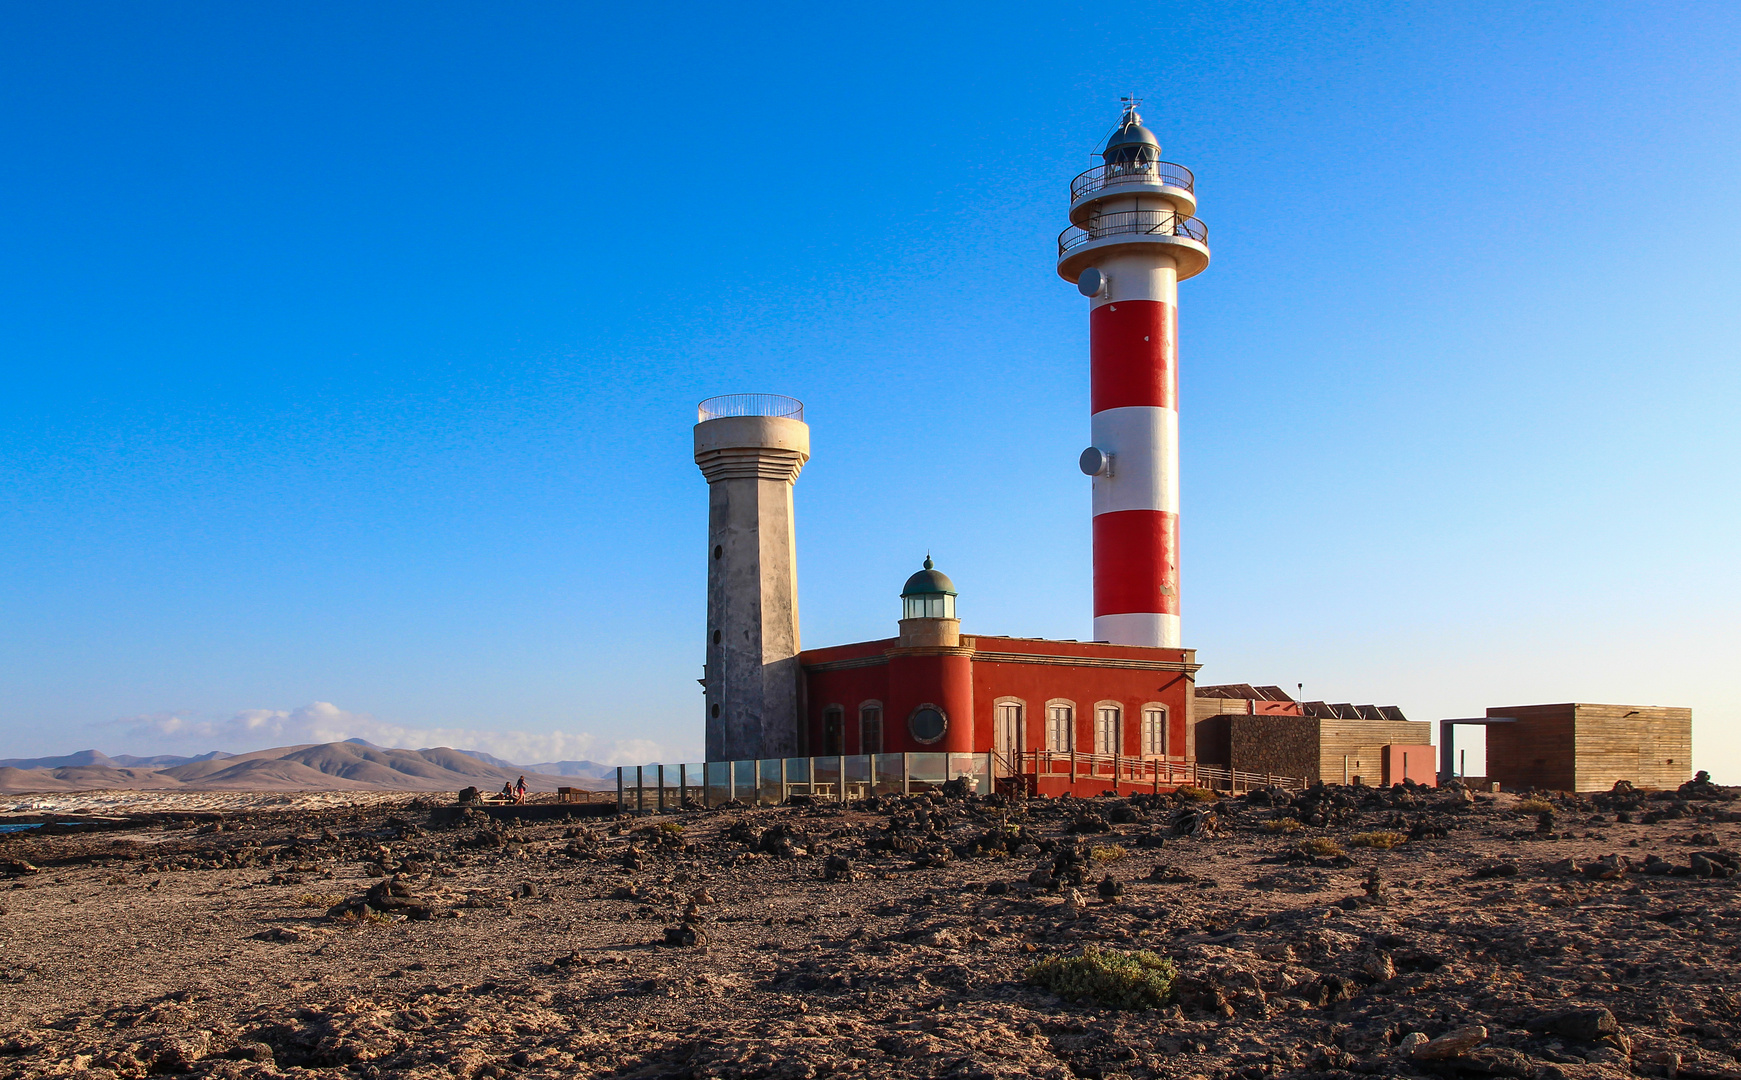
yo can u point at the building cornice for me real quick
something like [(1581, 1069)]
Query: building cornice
[(850, 663), (989, 657), (1086, 661)]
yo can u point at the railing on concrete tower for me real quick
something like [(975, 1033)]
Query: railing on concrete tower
[(750, 405)]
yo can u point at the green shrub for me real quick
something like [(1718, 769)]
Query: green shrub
[(1115, 980), (1283, 825), (1382, 840), (1107, 853), (1197, 794), (1319, 847), (1535, 806)]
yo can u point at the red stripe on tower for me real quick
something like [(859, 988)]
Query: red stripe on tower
[(1131, 349), (1136, 562)]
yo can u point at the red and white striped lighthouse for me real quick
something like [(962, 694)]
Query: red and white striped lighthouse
[(1132, 239)]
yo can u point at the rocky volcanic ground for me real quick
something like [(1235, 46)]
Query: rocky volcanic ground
[(1582, 938)]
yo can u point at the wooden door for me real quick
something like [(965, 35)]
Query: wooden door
[(1007, 736)]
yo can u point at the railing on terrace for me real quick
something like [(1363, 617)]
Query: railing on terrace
[(843, 778), (1137, 773), (771, 781), (1140, 222), (1133, 172), (750, 405)]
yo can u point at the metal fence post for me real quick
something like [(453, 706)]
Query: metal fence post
[(870, 767), (906, 773), (785, 788), (842, 765), (640, 789), (619, 789), (683, 785)]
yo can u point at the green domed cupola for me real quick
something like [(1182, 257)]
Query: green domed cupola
[(929, 594)]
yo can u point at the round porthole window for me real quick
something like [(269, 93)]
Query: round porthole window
[(715, 710), (927, 724)]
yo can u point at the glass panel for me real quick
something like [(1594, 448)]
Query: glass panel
[(718, 782), (797, 776), (973, 767), (694, 778), (743, 774), (928, 770), (768, 785), (826, 774), (858, 774), (889, 774), (949, 607)]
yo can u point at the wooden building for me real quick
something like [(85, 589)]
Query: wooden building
[(1582, 747)]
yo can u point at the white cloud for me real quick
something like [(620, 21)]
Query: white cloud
[(322, 721)]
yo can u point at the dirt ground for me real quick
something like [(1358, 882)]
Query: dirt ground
[(1584, 938)]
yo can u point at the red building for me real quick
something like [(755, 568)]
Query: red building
[(934, 689)]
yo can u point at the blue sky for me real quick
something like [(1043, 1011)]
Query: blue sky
[(351, 352)]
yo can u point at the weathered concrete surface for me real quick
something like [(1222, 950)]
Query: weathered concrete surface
[(753, 681)]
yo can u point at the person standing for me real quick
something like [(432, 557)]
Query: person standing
[(520, 790)]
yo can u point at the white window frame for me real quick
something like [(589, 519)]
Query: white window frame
[(1069, 719), (1108, 743), (1155, 734)]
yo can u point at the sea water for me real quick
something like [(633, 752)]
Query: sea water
[(20, 828)]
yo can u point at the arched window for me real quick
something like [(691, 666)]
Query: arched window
[(1060, 726), (1154, 734), (1107, 715), (870, 727), (1007, 741), (833, 730)]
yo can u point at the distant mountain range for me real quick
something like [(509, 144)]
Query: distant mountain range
[(354, 765)]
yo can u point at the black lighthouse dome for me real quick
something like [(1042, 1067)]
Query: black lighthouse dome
[(1131, 141)]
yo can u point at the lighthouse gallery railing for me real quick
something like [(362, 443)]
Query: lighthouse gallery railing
[(1136, 222), (1166, 173)]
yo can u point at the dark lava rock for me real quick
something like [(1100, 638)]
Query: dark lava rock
[(1496, 870), (1090, 823), (1585, 1025), (686, 936), (1110, 888)]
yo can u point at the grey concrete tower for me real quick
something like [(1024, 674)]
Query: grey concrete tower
[(751, 448)]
